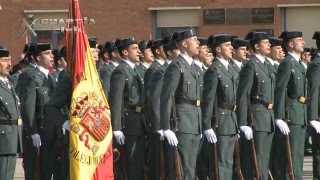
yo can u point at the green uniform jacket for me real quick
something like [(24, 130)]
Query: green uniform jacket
[(126, 91), (105, 74), (291, 83), (314, 89), (148, 76), (10, 134), (154, 97), (220, 84), (21, 81), (60, 98), (141, 69), (37, 91), (181, 81), (257, 81)]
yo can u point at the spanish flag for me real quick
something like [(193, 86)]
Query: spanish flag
[(90, 151)]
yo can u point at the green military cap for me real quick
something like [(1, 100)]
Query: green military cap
[(316, 35), (143, 45), (181, 35), (258, 36), (126, 42), (203, 41), (4, 52), (42, 47), (239, 42), (286, 35), (218, 39), (92, 42), (275, 41)]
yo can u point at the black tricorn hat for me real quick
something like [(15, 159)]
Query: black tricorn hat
[(4, 52), (156, 43), (174, 36), (239, 42), (249, 35), (116, 43), (126, 42), (92, 42), (185, 34), (166, 40), (275, 41), (42, 47), (143, 45), (316, 35), (285, 35), (218, 39), (203, 41), (29, 48), (108, 45), (307, 50), (258, 36)]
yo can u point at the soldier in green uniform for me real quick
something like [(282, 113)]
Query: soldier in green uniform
[(313, 75), (146, 58), (239, 55), (172, 52), (153, 136), (306, 57), (10, 121), (291, 94), (127, 107), (114, 61), (220, 89), (275, 55), (59, 62), (181, 81), (255, 90), (39, 134)]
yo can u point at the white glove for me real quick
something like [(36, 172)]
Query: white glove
[(160, 132), (210, 135), (36, 141), (66, 125), (247, 132), (172, 139), (119, 137), (282, 126), (316, 125), (63, 131)]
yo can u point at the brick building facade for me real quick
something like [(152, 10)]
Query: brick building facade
[(147, 19)]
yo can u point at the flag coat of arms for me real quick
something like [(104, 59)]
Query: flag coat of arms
[(90, 152)]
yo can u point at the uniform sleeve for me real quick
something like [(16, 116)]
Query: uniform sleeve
[(244, 88), (282, 79), (147, 81), (170, 83), (117, 84), (314, 86), (61, 98), (154, 98), (28, 107), (106, 82), (210, 80)]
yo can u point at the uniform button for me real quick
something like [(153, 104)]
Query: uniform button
[(182, 109), (263, 81), (45, 92), (222, 112), (2, 132), (298, 78), (6, 103), (227, 86), (257, 109)]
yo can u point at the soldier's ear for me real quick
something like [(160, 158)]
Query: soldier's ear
[(218, 49), (125, 52)]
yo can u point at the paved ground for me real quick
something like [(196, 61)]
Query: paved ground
[(307, 169)]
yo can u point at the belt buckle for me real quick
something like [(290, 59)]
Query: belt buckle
[(198, 103), (270, 106), (234, 108), (19, 122), (302, 99), (138, 109)]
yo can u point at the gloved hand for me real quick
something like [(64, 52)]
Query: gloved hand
[(172, 139), (119, 136), (66, 125), (63, 131), (160, 132), (316, 125), (282, 126), (210, 135), (36, 141), (247, 132)]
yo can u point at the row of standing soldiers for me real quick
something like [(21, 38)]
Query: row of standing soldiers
[(183, 117), (174, 112)]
